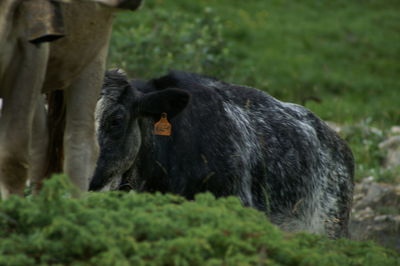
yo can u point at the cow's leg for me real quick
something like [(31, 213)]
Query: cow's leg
[(38, 156), (22, 85), (80, 144)]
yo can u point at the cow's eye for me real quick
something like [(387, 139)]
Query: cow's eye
[(116, 122)]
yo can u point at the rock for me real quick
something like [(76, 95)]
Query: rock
[(335, 126), (394, 130), (392, 148), (349, 130), (376, 213)]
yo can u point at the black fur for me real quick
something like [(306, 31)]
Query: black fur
[(230, 140)]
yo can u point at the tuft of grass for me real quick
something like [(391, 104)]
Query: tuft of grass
[(152, 229)]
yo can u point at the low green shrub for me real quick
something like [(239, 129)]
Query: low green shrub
[(149, 43), (364, 140), (117, 228)]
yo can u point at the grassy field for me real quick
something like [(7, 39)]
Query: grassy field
[(341, 59)]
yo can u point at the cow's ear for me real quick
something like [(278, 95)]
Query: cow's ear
[(170, 101)]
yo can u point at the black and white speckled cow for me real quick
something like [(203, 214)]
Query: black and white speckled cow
[(227, 139)]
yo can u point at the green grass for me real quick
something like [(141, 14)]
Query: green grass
[(343, 54), (347, 51), (117, 228)]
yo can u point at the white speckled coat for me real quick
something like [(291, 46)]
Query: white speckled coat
[(227, 139)]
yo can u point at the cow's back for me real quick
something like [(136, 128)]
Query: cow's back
[(277, 157), (307, 168)]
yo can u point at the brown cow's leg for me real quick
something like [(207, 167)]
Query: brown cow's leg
[(80, 144), (39, 144), (21, 88)]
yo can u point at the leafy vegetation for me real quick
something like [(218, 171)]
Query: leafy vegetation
[(339, 58), (143, 229), (161, 40), (364, 140)]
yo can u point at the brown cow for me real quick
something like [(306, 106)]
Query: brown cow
[(31, 65)]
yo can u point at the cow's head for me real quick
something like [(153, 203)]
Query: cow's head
[(120, 111)]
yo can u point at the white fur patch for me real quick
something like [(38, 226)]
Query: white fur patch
[(100, 107), (246, 145), (113, 184)]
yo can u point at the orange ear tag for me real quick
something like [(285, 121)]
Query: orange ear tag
[(162, 127)]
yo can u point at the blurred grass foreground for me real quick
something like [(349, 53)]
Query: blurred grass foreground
[(117, 228)]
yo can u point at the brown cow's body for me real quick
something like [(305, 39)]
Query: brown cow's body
[(75, 64)]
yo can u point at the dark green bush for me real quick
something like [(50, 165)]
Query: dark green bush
[(149, 43), (145, 229)]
